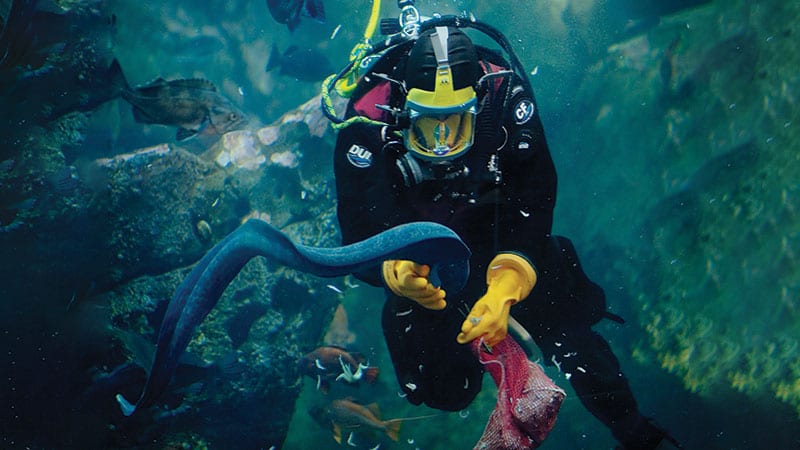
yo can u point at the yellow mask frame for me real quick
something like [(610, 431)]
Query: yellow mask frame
[(442, 121), (440, 133)]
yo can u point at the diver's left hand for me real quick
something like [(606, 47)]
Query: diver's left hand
[(510, 279), (488, 318)]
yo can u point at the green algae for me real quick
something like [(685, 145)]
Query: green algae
[(712, 277)]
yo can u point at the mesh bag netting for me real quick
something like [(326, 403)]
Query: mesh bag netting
[(527, 400)]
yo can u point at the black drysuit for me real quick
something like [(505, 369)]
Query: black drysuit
[(499, 197)]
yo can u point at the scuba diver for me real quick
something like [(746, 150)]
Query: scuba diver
[(440, 129)]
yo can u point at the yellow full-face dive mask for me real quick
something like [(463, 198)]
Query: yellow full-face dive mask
[(441, 115), (442, 122), (440, 133)]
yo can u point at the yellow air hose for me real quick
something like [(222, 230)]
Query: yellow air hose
[(346, 84)]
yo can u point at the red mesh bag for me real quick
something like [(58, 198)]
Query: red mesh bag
[(527, 400)]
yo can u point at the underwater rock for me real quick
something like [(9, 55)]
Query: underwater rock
[(153, 199), (47, 69), (311, 114), (185, 197), (110, 227), (120, 232), (242, 357), (283, 143), (691, 212), (139, 157), (727, 255), (203, 230), (284, 159), (269, 134), (240, 149)]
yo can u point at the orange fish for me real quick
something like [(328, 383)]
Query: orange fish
[(349, 416), (331, 363)]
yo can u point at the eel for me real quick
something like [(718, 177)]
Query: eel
[(424, 242)]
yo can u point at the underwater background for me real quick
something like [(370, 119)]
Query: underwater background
[(675, 132)]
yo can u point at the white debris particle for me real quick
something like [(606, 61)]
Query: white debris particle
[(334, 289), (556, 363), (336, 31)]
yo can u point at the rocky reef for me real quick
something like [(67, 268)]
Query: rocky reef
[(705, 142), (732, 259), (115, 236)]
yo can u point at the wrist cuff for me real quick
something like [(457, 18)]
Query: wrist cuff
[(389, 278), (504, 262)]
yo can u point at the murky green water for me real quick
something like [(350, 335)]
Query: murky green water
[(674, 132)]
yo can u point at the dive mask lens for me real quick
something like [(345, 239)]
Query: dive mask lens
[(440, 135)]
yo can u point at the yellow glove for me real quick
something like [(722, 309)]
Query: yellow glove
[(409, 279), (510, 279)]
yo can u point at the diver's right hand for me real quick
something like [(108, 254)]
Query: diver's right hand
[(409, 279)]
